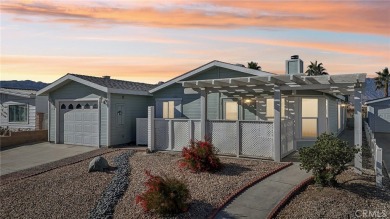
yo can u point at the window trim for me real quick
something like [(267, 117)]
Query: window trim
[(308, 117), (175, 100), (27, 113), (231, 99)]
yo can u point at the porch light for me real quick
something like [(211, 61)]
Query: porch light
[(343, 105), (247, 101)]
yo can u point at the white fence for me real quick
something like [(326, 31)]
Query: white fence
[(142, 131), (377, 152)]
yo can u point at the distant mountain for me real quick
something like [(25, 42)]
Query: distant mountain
[(371, 93), (26, 85)]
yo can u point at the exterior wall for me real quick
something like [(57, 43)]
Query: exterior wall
[(41, 104), (190, 103), (75, 90), (333, 115), (133, 107), (7, 100), (379, 116)]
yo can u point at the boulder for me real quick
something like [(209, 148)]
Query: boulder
[(98, 164)]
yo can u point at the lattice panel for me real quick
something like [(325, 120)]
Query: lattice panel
[(196, 130), (256, 138), (181, 134), (142, 131), (223, 135), (287, 137), (161, 134)]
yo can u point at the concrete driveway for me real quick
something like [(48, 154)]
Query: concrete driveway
[(383, 141), (27, 156)]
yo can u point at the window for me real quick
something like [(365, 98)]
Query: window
[(86, 106), (63, 106), (309, 117), (168, 109), (270, 108), (78, 106), (17, 113), (95, 106), (231, 110), (70, 106)]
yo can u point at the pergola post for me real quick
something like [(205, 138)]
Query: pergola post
[(358, 128), (277, 124), (203, 113), (151, 128)]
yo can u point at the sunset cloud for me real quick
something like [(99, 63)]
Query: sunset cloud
[(345, 16)]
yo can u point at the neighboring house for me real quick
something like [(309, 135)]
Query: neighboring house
[(249, 112), (95, 111), (379, 114), (22, 109)]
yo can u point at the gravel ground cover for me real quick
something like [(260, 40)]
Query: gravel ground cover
[(207, 190), (66, 192), (355, 194), (11, 177)]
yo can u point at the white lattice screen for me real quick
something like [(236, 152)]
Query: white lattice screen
[(287, 137), (161, 134), (223, 135), (142, 131), (196, 129), (256, 138), (181, 134)]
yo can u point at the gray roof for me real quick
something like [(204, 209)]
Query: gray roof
[(116, 84), (18, 92)]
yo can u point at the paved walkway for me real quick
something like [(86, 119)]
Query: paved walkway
[(383, 141), (27, 156), (259, 200)]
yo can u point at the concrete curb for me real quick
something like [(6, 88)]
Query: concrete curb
[(240, 190), (55, 166), (297, 189)]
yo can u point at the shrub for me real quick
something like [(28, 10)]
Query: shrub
[(164, 195), (327, 158), (200, 156)]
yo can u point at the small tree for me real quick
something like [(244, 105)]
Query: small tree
[(327, 158), (315, 69), (382, 81), (254, 65)]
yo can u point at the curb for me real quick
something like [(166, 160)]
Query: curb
[(245, 187), (297, 189), (55, 166)]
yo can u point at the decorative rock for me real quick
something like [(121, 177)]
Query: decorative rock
[(98, 164)]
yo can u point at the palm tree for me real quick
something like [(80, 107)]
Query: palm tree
[(254, 65), (315, 69), (383, 80)]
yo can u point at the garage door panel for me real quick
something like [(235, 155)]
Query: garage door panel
[(382, 119), (80, 126)]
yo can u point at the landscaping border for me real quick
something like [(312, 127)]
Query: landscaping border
[(245, 187), (295, 191), (30, 172)]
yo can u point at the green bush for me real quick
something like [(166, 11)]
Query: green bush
[(164, 195), (327, 158)]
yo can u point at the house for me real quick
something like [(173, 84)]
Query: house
[(247, 112), (379, 114), (22, 109), (95, 111)]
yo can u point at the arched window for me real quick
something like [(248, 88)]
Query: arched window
[(63, 106), (78, 106), (95, 106), (70, 106), (87, 106)]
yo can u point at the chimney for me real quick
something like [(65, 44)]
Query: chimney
[(106, 77), (294, 65)]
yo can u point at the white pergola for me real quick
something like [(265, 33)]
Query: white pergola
[(274, 85)]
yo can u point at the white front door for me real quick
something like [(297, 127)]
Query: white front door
[(79, 123)]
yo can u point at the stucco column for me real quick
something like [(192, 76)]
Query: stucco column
[(358, 128), (151, 128), (277, 124), (203, 113)]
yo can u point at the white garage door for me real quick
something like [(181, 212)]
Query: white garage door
[(382, 119), (79, 123)]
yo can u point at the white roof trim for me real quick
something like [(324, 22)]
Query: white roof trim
[(5, 91), (209, 65), (67, 77), (377, 100)]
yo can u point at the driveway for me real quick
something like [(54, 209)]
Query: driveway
[(383, 141), (27, 156)]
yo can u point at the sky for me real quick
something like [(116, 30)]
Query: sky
[(151, 41)]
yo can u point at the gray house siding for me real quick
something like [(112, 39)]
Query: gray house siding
[(75, 90), (123, 125), (190, 103), (7, 100), (333, 115), (379, 116)]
